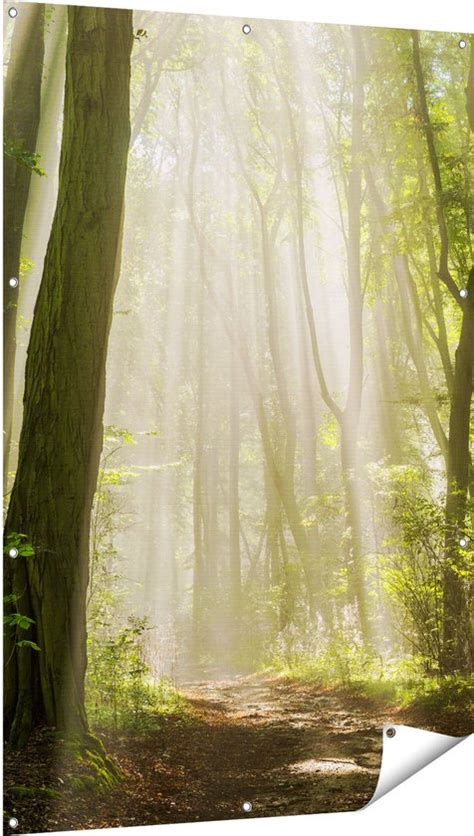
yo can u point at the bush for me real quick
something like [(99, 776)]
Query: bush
[(131, 700)]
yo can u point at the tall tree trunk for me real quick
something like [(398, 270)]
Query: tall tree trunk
[(309, 419), (200, 572), (457, 637), (272, 547), (234, 504), (22, 106), (61, 436), (285, 485), (391, 440), (200, 569), (350, 423), (211, 506), (470, 87)]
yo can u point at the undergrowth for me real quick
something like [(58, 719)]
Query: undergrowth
[(139, 706), (397, 683)]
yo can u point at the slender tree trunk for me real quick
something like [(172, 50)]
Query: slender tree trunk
[(234, 508), (285, 485), (296, 160), (61, 436), (391, 440), (210, 505), (309, 419), (413, 335), (350, 423), (354, 550), (470, 87), (199, 575), (22, 105), (442, 336), (272, 548), (41, 200), (457, 637)]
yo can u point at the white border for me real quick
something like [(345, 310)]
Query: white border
[(451, 16)]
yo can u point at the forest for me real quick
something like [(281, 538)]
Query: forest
[(238, 377)]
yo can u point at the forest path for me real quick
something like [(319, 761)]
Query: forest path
[(285, 747)]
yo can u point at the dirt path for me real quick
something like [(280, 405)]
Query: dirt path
[(285, 748)]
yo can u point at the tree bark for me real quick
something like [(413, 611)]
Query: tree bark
[(61, 436), (22, 106)]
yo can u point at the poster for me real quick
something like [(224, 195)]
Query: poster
[(238, 352)]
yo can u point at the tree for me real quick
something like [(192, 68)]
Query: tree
[(61, 436), (235, 563), (22, 106), (348, 417), (456, 638)]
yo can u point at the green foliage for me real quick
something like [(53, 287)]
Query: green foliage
[(17, 620), (413, 573), (117, 435), (132, 700), (26, 643), (341, 660), (413, 557), (29, 159), (329, 431), (399, 682), (117, 654), (20, 542), (441, 696)]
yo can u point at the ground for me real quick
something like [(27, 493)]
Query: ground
[(285, 747)]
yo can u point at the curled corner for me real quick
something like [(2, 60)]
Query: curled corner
[(407, 751)]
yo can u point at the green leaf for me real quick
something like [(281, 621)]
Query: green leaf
[(25, 643), (16, 619), (29, 159), (17, 541)]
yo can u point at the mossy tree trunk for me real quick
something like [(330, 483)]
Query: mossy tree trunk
[(61, 436), (22, 106)]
